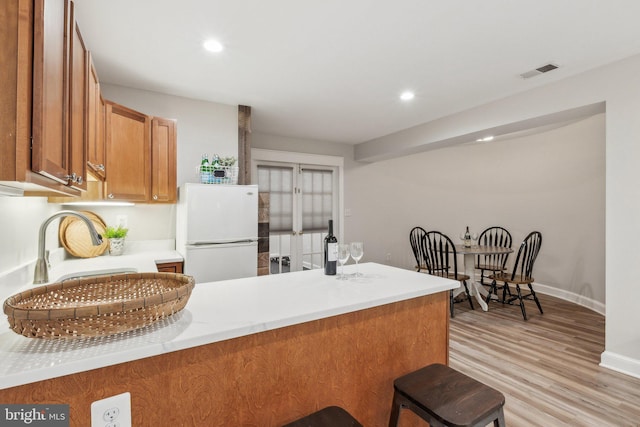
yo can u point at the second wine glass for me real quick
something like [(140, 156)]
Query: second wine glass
[(357, 251), (343, 257)]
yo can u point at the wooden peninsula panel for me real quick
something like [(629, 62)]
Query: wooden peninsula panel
[(269, 378)]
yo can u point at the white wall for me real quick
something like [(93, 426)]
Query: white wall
[(552, 182), (21, 218)]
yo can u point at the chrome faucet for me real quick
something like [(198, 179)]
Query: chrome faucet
[(41, 274)]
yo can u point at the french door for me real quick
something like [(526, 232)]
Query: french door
[(302, 199)]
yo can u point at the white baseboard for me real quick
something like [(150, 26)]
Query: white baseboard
[(596, 306), (619, 363)]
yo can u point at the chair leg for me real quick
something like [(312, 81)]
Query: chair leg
[(505, 289), (466, 289), (492, 289), (451, 302), (499, 422), (395, 410), (524, 313), (535, 298)]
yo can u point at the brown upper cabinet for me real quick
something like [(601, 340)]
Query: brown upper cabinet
[(78, 108), (59, 94), (163, 161), (140, 156), (95, 125), (128, 154)]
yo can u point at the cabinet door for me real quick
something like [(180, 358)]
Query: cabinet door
[(50, 154), (128, 156), (78, 81), (170, 267), (95, 125), (163, 160)]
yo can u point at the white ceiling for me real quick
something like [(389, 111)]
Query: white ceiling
[(332, 70)]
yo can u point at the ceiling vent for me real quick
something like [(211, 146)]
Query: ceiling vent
[(538, 71)]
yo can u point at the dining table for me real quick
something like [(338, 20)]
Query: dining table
[(470, 252)]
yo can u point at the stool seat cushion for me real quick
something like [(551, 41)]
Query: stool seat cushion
[(331, 416), (449, 396)]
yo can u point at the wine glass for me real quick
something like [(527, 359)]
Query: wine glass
[(357, 251), (474, 237), (343, 257)]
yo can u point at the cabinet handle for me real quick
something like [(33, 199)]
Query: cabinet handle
[(73, 178), (99, 167), (110, 195), (155, 197)]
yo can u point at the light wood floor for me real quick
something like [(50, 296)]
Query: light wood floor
[(547, 367)]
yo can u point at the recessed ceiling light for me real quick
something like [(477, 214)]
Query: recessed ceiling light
[(213, 46), (407, 96), (485, 139)]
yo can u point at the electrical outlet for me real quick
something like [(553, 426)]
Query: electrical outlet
[(114, 411), (388, 257)]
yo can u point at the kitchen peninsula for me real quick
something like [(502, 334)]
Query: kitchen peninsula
[(256, 351)]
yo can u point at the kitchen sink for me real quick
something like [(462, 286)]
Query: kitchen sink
[(94, 273)]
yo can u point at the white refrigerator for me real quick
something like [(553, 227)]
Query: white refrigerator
[(217, 231)]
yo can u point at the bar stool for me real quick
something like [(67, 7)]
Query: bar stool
[(443, 396), (331, 416)]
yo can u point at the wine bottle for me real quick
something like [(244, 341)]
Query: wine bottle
[(330, 252), (467, 238)]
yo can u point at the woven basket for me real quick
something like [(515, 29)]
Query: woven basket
[(97, 306)]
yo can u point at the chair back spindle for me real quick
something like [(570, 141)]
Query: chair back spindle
[(415, 239)]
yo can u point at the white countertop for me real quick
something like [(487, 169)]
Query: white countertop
[(218, 311)]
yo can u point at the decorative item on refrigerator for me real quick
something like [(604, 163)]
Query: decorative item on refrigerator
[(217, 231)]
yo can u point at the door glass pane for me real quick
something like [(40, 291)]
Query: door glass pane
[(312, 250), (317, 199), (278, 182)]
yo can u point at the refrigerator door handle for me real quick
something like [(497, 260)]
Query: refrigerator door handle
[(245, 242)]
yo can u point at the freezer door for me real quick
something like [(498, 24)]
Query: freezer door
[(210, 263), (221, 213)]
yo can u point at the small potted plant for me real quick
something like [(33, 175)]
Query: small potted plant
[(116, 236)]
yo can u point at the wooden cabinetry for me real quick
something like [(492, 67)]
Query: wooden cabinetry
[(95, 125), (54, 121), (40, 49), (140, 156), (59, 94), (128, 136), (170, 267), (78, 111), (163, 161)]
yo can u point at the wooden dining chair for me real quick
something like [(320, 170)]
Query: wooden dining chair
[(415, 238), (441, 260), (522, 274), (493, 263)]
